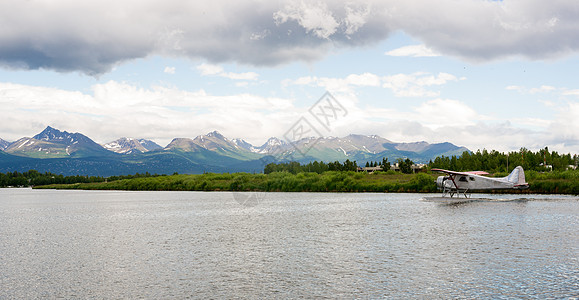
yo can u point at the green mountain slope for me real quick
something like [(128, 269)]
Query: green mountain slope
[(66, 153)]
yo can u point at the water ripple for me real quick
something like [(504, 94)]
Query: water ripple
[(77, 244)]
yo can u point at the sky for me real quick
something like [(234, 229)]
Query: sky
[(495, 75)]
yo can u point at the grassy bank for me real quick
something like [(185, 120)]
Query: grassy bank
[(333, 181), (565, 182)]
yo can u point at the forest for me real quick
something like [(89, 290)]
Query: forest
[(492, 162), (495, 161)]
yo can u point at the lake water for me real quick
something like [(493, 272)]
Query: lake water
[(111, 244)]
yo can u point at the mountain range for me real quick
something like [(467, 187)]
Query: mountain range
[(67, 153), (129, 145)]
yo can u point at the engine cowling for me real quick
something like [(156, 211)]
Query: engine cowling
[(440, 181)]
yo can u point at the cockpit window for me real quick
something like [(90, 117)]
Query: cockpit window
[(463, 178)]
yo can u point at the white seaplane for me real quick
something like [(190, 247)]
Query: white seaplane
[(463, 183)]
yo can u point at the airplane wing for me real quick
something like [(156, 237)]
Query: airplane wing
[(460, 173), (477, 173)]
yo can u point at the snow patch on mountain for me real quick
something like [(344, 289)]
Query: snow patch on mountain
[(4, 144), (131, 145)]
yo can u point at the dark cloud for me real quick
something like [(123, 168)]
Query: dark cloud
[(94, 36)]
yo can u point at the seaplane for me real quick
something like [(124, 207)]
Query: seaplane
[(461, 184)]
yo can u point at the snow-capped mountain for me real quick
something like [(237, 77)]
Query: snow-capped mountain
[(149, 145), (130, 145), (4, 144), (353, 147), (63, 137), (273, 145), (217, 143), (52, 143), (183, 144), (213, 141), (243, 144), (36, 148)]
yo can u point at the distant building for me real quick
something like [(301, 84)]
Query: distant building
[(393, 167), (417, 167), (369, 169)]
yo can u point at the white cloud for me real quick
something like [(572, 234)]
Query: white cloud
[(406, 127), (564, 129), (547, 103), (356, 18), (85, 36), (447, 120), (256, 36), (402, 85), (446, 112), (314, 17), (169, 70), (365, 79), (339, 85), (515, 88), (571, 93), (209, 69), (117, 109), (241, 76), (413, 51), (415, 84), (542, 89)]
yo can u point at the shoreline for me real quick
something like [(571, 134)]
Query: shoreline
[(333, 181)]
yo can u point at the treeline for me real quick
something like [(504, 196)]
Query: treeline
[(321, 167), (35, 178), (492, 162), (495, 161), (314, 167)]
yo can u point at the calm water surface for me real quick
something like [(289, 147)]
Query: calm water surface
[(87, 244)]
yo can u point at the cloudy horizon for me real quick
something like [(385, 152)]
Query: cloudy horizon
[(481, 74)]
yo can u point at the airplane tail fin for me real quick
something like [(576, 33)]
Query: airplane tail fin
[(517, 177)]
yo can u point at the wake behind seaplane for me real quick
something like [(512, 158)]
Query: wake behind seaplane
[(462, 183)]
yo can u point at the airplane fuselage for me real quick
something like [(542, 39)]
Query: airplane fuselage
[(472, 182), (469, 181)]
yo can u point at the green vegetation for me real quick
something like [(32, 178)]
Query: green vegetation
[(566, 182), (333, 177), (495, 161), (330, 181), (316, 167), (405, 165), (34, 178)]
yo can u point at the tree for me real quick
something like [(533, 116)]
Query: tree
[(405, 165), (349, 166), (385, 164)]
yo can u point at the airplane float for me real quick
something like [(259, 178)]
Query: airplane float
[(461, 183)]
